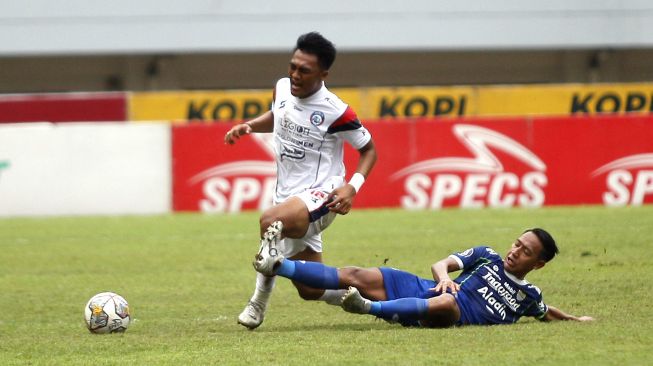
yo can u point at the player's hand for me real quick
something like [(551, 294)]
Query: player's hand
[(340, 199), (235, 132), (446, 284)]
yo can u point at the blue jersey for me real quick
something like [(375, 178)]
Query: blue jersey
[(489, 295)]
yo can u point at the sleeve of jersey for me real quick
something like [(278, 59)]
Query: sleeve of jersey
[(351, 129), (542, 309), (282, 84), (470, 256), (539, 308)]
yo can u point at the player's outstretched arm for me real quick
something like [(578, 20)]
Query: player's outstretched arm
[(262, 123), (343, 197), (557, 314)]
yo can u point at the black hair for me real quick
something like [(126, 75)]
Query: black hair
[(549, 247), (315, 44)]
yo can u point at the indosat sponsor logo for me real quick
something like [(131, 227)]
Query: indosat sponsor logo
[(228, 187), (627, 180), (478, 181)]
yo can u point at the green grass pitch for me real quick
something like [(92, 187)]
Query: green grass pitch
[(187, 276)]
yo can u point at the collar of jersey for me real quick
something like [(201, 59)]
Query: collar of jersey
[(515, 279), (313, 96)]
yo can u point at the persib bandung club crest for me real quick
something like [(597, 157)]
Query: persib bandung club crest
[(317, 118)]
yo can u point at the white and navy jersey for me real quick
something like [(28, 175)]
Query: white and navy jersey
[(489, 295), (308, 137)]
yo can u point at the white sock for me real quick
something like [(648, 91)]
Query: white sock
[(264, 286), (333, 297)]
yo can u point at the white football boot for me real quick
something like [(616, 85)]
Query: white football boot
[(354, 302), (268, 258), (254, 313), (252, 316)]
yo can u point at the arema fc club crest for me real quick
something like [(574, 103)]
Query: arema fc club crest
[(317, 118)]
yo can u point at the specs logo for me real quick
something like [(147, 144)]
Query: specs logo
[(477, 181), (627, 180)]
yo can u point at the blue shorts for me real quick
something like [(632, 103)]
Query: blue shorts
[(399, 284)]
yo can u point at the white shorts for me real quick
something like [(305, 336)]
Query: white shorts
[(320, 219)]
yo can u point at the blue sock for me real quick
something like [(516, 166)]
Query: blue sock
[(286, 269), (410, 308), (314, 274)]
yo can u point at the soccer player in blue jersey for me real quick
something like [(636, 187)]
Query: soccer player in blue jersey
[(490, 289)]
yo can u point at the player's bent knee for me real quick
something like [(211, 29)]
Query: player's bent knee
[(349, 276), (443, 312), (291, 227), (361, 278)]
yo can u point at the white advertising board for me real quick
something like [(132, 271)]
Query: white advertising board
[(84, 169)]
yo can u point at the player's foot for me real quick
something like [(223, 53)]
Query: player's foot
[(252, 316), (268, 258), (354, 302)]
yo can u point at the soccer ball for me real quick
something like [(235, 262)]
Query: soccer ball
[(107, 312)]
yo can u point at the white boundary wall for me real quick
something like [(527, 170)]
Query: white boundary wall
[(172, 26), (84, 169)]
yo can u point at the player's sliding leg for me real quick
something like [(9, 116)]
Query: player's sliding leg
[(253, 314), (313, 274), (402, 310), (305, 217), (320, 276), (439, 311)]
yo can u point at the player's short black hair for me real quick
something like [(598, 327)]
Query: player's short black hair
[(315, 44), (549, 247)]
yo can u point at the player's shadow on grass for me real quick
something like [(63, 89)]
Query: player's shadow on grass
[(335, 327), (381, 325)]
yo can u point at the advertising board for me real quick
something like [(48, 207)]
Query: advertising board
[(467, 163)]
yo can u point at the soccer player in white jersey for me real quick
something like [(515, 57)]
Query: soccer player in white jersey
[(310, 125), (490, 290)]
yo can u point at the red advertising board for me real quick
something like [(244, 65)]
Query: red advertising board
[(210, 176), (63, 107), (430, 164)]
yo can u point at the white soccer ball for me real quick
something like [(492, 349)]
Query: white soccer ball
[(107, 312)]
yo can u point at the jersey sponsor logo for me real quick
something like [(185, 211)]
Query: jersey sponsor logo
[(294, 138), (501, 290), (317, 118), (498, 296), (291, 152), (492, 302), (227, 187), (477, 181), (628, 180), (294, 128)]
